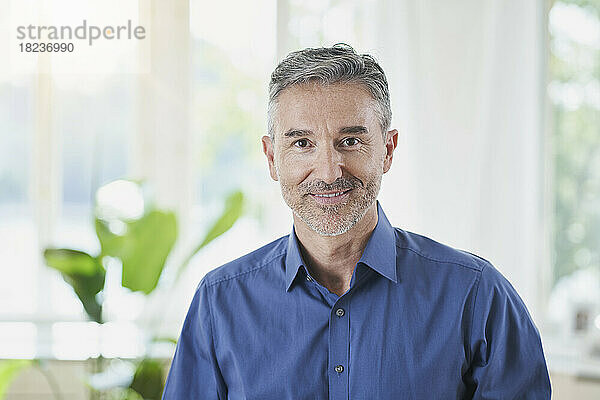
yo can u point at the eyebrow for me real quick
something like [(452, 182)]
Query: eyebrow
[(354, 129), (358, 129), (297, 132)]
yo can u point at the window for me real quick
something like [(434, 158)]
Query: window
[(574, 92), (230, 75), (18, 236)]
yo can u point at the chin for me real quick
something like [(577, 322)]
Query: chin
[(331, 232), (327, 227)]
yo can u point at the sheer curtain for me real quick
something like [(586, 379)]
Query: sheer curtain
[(467, 84)]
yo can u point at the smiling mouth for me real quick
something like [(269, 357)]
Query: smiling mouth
[(327, 195)]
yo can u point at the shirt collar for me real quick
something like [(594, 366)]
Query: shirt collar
[(293, 259), (379, 254)]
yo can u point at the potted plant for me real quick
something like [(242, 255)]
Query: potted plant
[(141, 238)]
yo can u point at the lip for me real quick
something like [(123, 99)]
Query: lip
[(330, 200)]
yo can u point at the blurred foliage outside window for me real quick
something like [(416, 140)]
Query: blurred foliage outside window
[(230, 71), (574, 91), (229, 117)]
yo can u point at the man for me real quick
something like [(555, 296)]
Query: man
[(346, 306)]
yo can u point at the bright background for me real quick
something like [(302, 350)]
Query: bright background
[(498, 107)]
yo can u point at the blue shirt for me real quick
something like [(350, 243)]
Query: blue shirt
[(420, 321)]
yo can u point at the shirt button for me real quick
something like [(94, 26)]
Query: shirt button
[(339, 369), (340, 312), (308, 278)]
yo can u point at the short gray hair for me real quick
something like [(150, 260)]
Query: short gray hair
[(326, 65)]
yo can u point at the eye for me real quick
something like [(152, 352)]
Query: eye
[(302, 143), (349, 142)]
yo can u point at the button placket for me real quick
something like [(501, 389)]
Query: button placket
[(339, 342)]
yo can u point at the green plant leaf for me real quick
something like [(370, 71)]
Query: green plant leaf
[(86, 288), (70, 261), (9, 370), (164, 339), (111, 244), (130, 394), (234, 206), (148, 379), (85, 275), (233, 210), (144, 250)]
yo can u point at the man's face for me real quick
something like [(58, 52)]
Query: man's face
[(328, 153)]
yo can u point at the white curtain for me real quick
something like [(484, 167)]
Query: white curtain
[(467, 86)]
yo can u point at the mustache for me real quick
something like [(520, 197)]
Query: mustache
[(340, 184)]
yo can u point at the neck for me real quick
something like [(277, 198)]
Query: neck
[(331, 259)]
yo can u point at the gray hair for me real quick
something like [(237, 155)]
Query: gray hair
[(326, 65)]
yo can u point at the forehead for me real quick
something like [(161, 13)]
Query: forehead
[(333, 104)]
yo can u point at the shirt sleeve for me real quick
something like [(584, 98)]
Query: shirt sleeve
[(507, 359), (194, 372)]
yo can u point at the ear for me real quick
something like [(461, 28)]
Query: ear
[(267, 145), (390, 145)]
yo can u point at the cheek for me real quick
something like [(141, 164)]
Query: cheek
[(365, 163), (293, 169)]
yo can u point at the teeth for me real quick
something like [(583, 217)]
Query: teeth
[(330, 195)]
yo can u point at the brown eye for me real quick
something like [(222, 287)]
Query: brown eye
[(302, 143), (349, 142)]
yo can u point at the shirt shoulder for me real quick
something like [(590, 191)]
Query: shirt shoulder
[(431, 251), (489, 287), (248, 263)]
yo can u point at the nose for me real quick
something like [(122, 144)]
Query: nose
[(328, 165)]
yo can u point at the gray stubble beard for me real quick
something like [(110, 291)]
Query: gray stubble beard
[(357, 210)]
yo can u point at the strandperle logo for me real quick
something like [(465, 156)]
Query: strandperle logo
[(84, 31)]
